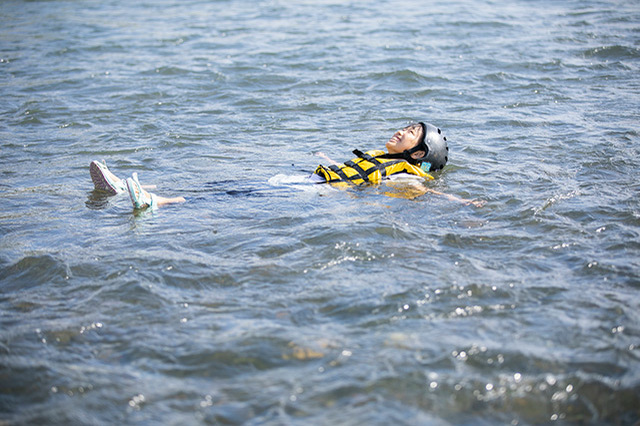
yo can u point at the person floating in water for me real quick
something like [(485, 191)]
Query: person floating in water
[(415, 150)]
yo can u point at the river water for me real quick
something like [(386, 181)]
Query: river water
[(267, 300)]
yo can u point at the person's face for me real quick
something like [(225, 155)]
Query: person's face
[(404, 139)]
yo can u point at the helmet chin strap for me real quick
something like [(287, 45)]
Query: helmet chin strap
[(420, 146), (406, 154)]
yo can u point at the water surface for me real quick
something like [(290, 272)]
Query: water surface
[(263, 301)]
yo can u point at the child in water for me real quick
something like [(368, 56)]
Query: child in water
[(414, 150)]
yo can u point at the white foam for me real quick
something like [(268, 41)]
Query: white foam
[(305, 183)]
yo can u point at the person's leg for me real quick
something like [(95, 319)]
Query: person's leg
[(104, 180), (142, 199), (162, 201)]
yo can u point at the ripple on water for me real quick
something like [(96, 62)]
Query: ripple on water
[(613, 52), (31, 272)]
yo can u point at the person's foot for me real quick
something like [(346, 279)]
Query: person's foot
[(140, 198), (104, 180)]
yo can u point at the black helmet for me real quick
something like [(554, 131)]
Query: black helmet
[(435, 147)]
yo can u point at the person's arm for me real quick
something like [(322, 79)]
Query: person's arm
[(323, 155), (475, 203)]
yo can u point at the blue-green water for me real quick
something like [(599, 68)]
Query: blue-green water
[(265, 302)]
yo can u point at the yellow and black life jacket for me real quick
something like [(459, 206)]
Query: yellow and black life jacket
[(369, 167)]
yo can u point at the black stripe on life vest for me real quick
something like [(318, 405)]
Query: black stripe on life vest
[(383, 170), (342, 174), (363, 174), (367, 157)]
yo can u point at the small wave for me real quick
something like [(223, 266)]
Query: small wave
[(613, 52), (387, 80), (32, 271), (168, 70), (555, 199)]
